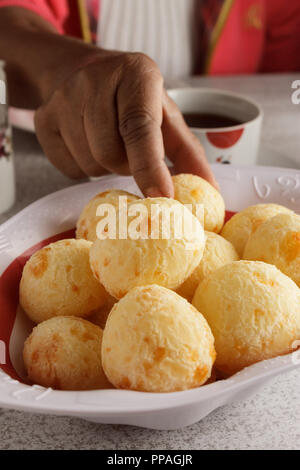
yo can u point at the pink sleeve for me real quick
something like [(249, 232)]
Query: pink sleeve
[(54, 11), (282, 49)]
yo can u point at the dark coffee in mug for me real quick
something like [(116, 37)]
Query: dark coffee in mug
[(209, 121)]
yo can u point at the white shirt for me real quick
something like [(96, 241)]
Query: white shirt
[(161, 29)]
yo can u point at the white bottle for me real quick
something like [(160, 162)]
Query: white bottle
[(7, 174)]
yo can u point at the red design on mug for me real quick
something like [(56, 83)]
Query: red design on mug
[(224, 140)]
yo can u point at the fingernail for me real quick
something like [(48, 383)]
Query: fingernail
[(153, 192)]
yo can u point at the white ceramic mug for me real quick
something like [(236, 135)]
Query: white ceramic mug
[(237, 144)]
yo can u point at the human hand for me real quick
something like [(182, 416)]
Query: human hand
[(113, 115)]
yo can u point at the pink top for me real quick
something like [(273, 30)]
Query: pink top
[(54, 11), (257, 35)]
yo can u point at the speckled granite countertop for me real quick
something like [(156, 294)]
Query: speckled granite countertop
[(271, 419)]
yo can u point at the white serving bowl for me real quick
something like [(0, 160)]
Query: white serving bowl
[(57, 213)]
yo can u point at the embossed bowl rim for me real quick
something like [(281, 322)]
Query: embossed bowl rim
[(241, 187)]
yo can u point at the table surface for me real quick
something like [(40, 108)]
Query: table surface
[(271, 419)]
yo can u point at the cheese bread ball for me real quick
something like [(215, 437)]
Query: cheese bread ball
[(217, 253), (155, 341), (191, 189), (277, 241), (239, 228), (87, 223), (253, 310), (57, 280), (100, 316), (64, 353), (162, 255)]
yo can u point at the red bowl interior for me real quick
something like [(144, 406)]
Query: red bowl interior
[(9, 293)]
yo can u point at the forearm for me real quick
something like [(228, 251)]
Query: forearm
[(37, 57)]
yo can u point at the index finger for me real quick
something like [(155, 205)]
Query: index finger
[(140, 118)]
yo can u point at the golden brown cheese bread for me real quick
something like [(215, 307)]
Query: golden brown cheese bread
[(277, 241), (167, 258), (191, 189), (86, 227), (64, 353), (253, 310), (57, 280), (239, 228), (155, 341), (217, 253)]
